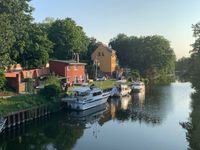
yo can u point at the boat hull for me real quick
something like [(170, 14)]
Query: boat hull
[(80, 105)]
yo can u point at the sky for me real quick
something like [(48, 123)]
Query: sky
[(105, 19)]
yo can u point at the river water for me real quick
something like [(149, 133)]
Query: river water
[(144, 121)]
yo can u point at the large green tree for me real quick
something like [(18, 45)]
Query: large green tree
[(37, 48), (6, 40), (68, 38), (18, 17), (151, 55)]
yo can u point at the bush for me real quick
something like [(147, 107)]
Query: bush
[(135, 74), (52, 80), (51, 91), (2, 80), (145, 80)]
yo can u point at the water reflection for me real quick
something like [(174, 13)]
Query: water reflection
[(193, 125), (68, 129)]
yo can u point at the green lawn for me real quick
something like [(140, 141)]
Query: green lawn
[(105, 84), (20, 102)]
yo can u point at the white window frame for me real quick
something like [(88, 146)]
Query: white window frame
[(68, 67), (76, 67)]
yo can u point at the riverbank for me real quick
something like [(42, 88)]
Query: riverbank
[(22, 102)]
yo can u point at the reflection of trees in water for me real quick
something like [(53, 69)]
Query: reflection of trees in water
[(193, 125), (151, 108), (53, 134)]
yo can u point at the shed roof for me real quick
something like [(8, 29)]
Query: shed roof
[(72, 62)]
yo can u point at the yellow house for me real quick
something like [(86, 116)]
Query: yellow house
[(106, 59)]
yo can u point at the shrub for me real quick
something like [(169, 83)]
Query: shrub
[(2, 80), (52, 80), (51, 91)]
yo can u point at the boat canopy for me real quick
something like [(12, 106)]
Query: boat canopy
[(121, 81), (81, 89)]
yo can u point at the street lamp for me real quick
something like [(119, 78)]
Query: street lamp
[(96, 63)]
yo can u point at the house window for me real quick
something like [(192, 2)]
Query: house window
[(76, 67), (102, 54), (68, 79), (68, 67), (99, 53), (75, 79)]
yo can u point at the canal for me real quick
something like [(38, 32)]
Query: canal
[(143, 121)]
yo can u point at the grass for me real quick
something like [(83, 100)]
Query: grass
[(105, 84), (20, 102)]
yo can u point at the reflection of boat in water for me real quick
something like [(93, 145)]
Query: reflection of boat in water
[(120, 89), (124, 102), (140, 97), (88, 115), (2, 124), (85, 97)]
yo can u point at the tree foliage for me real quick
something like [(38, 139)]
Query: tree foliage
[(68, 38), (151, 55), (2, 79), (17, 15), (37, 48), (194, 70), (92, 46), (6, 40)]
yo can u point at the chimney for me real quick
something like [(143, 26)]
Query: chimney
[(77, 57)]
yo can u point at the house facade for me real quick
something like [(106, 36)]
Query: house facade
[(17, 78), (106, 59), (73, 71)]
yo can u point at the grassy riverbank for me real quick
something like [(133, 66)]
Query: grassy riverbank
[(21, 102)]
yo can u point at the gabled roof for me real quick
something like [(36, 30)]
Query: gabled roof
[(107, 48)]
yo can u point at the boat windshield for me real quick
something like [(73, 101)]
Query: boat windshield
[(81, 93)]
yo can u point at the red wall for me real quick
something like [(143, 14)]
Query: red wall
[(73, 72), (60, 68), (57, 68)]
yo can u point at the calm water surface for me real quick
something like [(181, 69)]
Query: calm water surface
[(143, 122)]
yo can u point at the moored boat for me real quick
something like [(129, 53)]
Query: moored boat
[(120, 89), (85, 97), (138, 86)]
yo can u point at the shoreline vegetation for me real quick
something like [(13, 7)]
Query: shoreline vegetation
[(23, 102)]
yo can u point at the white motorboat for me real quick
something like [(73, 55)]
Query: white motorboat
[(2, 124), (120, 89), (85, 97), (138, 86)]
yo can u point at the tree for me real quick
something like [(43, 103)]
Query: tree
[(18, 18), (6, 40), (68, 38), (37, 48), (2, 79), (194, 70), (92, 46), (151, 55)]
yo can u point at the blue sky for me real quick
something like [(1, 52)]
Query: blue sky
[(104, 19)]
